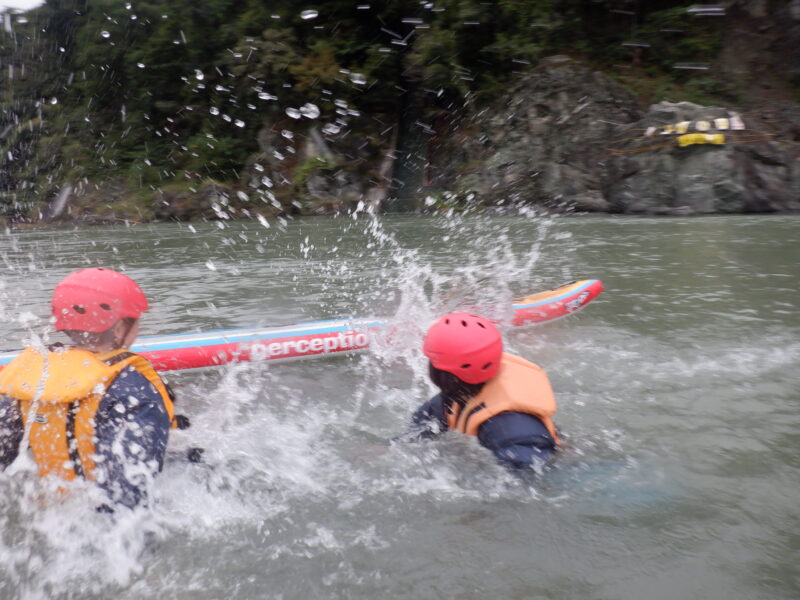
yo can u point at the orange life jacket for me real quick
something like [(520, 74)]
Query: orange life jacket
[(64, 387), (520, 386)]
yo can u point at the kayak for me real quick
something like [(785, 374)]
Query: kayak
[(321, 338)]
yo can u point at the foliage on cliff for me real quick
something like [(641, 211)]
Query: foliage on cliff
[(165, 91)]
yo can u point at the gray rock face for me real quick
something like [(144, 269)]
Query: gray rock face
[(572, 139), (653, 174), (546, 143)]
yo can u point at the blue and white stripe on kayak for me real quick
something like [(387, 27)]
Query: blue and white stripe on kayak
[(236, 336)]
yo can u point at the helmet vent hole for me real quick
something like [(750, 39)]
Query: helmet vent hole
[(463, 323), (447, 321), (486, 366), (481, 325), (105, 306), (79, 309), (466, 366)]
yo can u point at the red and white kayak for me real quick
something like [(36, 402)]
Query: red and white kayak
[(321, 338)]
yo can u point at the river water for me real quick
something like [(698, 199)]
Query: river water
[(678, 398)]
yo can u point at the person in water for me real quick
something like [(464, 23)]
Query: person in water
[(93, 409), (502, 399)]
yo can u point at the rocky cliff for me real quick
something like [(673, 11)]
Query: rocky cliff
[(570, 138)]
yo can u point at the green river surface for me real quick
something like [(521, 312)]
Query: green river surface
[(679, 403)]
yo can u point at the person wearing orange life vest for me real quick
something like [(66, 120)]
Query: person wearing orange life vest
[(502, 399), (93, 409)]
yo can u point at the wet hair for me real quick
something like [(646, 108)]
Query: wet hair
[(451, 386), (97, 338)]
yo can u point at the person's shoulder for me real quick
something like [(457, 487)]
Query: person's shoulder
[(435, 404), (131, 386), (432, 409)]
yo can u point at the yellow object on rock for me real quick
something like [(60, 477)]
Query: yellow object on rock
[(701, 138)]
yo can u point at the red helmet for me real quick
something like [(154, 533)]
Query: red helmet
[(466, 345), (95, 299)]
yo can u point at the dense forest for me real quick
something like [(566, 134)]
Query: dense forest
[(157, 94)]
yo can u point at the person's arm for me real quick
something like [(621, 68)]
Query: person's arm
[(11, 431), (517, 439), (427, 422), (131, 428)]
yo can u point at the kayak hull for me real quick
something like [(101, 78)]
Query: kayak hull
[(322, 338)]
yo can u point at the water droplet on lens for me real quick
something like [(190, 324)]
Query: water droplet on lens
[(105, 34), (293, 113), (239, 123), (199, 75), (358, 78), (306, 15), (309, 110), (213, 110)]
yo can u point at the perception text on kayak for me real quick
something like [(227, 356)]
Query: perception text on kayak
[(309, 345)]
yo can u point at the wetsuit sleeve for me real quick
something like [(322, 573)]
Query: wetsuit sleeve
[(428, 421), (517, 439), (11, 430), (131, 428)]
